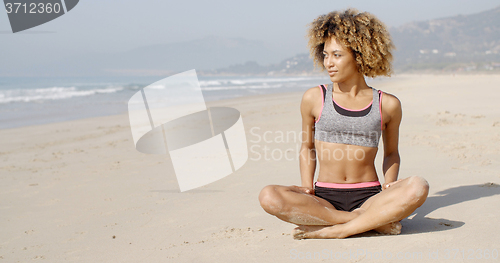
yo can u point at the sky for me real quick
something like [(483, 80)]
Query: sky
[(119, 25)]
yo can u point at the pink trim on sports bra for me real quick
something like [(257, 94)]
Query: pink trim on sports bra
[(348, 186), (322, 103), (351, 109), (380, 110)]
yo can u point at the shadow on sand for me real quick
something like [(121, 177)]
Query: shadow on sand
[(419, 223)]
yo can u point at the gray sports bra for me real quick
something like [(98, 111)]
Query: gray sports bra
[(355, 127)]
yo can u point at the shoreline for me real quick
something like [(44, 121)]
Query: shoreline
[(50, 108), (113, 111), (125, 114), (24, 103)]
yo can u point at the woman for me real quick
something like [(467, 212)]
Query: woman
[(341, 126)]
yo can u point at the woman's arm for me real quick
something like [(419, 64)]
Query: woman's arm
[(392, 114), (307, 157)]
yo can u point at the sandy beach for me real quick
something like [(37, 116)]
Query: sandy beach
[(79, 191)]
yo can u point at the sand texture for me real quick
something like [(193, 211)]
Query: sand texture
[(79, 191)]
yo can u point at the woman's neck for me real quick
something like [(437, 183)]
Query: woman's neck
[(353, 85)]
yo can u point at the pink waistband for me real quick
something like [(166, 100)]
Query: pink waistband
[(356, 185)]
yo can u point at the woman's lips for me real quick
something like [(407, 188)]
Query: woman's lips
[(331, 73)]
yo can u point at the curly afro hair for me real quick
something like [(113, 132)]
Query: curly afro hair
[(362, 33)]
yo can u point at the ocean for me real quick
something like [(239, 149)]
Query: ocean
[(26, 101)]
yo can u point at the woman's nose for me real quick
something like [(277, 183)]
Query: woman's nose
[(328, 62)]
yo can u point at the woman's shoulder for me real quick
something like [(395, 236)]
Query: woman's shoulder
[(390, 102), (312, 100), (312, 95)]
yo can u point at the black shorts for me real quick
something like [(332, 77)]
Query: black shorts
[(346, 199)]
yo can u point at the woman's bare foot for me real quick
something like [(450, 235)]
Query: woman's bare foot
[(304, 232), (393, 228), (312, 231), (318, 231)]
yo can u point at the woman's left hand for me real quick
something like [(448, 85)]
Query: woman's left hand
[(385, 186)]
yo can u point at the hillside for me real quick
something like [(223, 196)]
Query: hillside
[(458, 43), (463, 42)]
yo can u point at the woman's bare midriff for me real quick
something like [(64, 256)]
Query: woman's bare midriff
[(345, 164)]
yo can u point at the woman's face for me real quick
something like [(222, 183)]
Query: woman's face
[(339, 62)]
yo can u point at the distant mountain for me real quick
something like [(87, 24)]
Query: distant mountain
[(202, 54), (458, 43), (300, 64), (463, 41)]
